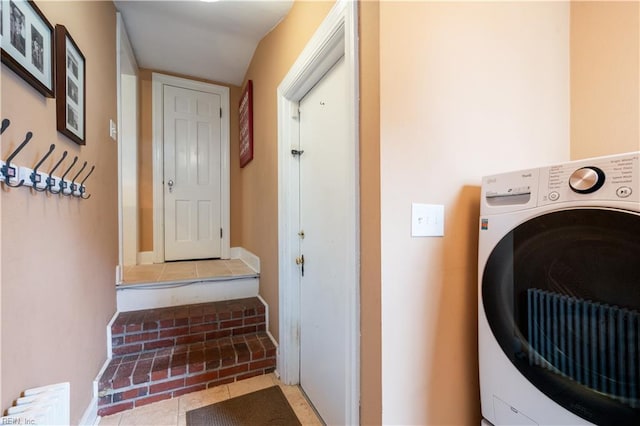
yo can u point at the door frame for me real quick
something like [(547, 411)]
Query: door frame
[(336, 36), (127, 139), (158, 83)]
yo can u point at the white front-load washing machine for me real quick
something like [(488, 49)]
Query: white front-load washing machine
[(559, 294)]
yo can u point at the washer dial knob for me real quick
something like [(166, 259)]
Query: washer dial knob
[(586, 180)]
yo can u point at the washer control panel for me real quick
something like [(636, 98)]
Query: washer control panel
[(611, 178), (615, 177)]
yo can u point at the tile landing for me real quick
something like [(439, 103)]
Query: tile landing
[(185, 271), (172, 412)]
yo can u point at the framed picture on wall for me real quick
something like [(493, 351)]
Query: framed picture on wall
[(246, 124), (70, 87), (27, 38)]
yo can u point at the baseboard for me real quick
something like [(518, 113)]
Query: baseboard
[(266, 314), (273, 340), (109, 342), (145, 258), (247, 257), (90, 416)]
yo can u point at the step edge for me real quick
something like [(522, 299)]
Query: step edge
[(259, 335), (185, 339)]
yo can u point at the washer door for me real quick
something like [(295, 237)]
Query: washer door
[(561, 293)]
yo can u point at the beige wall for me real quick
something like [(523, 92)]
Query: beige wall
[(466, 89), (605, 78), (58, 253), (370, 267), (145, 157)]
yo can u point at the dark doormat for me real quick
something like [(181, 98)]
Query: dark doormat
[(264, 407)]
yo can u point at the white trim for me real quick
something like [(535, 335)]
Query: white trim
[(128, 144), (158, 81), (273, 339), (118, 274), (126, 64), (145, 258), (247, 257), (90, 416), (266, 313), (109, 336), (119, 30), (336, 35)]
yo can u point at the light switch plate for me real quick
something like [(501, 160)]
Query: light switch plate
[(427, 220), (113, 130)]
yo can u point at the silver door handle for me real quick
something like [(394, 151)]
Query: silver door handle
[(170, 183)]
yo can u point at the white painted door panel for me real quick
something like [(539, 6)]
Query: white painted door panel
[(192, 181), (324, 205)]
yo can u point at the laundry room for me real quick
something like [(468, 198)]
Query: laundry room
[(528, 108), (485, 88)]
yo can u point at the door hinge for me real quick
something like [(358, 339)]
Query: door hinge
[(220, 232), (297, 152), (220, 112)]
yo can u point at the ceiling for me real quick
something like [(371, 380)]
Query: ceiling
[(209, 40)]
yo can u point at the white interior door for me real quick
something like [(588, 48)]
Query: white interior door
[(192, 174), (325, 209)]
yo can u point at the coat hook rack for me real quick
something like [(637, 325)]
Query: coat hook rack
[(10, 172), (35, 177), (50, 180), (63, 184), (82, 188), (74, 185)]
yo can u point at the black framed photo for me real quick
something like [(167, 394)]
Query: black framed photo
[(70, 87), (27, 41)]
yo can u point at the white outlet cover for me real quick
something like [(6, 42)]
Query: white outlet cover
[(427, 220)]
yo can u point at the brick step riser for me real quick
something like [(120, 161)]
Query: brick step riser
[(140, 395), (153, 336), (168, 352)]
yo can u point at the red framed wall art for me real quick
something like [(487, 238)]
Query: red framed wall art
[(246, 124)]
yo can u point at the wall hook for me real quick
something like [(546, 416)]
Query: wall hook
[(82, 188), (63, 184), (34, 175), (5, 124), (9, 171), (74, 185), (50, 179)]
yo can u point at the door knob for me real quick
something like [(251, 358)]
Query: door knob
[(170, 183)]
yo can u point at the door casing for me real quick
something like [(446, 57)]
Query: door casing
[(127, 95), (336, 36), (158, 81)]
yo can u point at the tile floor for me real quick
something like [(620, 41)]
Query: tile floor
[(184, 271), (173, 411)]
